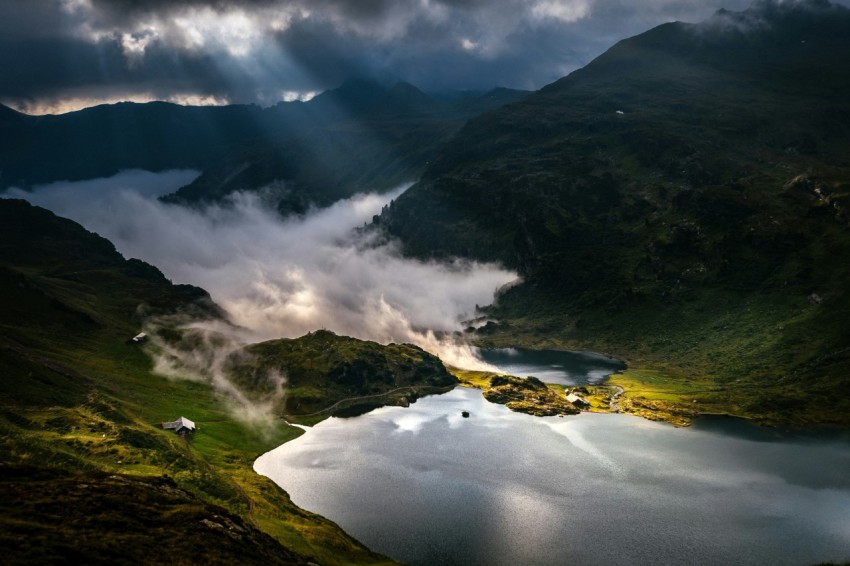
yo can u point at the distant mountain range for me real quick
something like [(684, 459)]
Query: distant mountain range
[(360, 136), (683, 200)]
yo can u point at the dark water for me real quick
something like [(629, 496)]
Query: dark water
[(553, 366), (427, 486)]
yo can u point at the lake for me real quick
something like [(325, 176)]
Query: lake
[(426, 486), (553, 366)]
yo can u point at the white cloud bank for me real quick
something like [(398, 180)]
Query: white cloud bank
[(284, 278)]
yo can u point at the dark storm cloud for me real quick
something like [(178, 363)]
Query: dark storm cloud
[(47, 71), (258, 50)]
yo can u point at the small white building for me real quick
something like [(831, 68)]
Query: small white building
[(139, 338), (576, 400), (180, 426)]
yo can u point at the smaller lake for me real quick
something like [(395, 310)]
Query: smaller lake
[(553, 366)]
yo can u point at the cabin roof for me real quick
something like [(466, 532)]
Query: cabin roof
[(182, 422), (573, 398)]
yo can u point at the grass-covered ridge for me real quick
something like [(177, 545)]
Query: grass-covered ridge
[(680, 203), (79, 406), (326, 373)]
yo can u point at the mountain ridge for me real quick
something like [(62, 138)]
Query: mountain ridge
[(664, 187), (160, 135)]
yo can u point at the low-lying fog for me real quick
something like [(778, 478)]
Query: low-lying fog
[(283, 277)]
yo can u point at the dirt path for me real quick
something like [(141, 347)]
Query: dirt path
[(247, 498), (361, 397), (615, 406)]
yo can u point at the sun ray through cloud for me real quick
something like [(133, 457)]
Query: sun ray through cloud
[(265, 51)]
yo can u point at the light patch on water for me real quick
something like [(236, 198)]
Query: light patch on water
[(571, 430)]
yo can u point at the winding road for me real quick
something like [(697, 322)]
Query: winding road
[(414, 388), (615, 406)]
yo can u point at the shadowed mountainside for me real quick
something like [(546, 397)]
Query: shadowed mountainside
[(681, 202), (360, 136)]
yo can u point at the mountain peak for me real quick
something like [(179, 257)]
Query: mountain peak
[(404, 98), (356, 94), (404, 87), (787, 44), (407, 92), (356, 90)]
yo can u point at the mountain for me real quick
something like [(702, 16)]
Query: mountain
[(100, 141), (681, 202), (86, 472), (366, 138), (374, 136), (55, 273), (357, 95)]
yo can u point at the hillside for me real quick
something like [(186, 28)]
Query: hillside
[(681, 202), (87, 473), (328, 374), (109, 519)]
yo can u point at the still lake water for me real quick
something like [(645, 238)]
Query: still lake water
[(553, 366), (426, 486)]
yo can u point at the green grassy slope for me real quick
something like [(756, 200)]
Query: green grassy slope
[(681, 202), (80, 410), (327, 373)]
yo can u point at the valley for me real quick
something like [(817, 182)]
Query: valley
[(474, 326)]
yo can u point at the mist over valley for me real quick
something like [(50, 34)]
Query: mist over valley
[(283, 277)]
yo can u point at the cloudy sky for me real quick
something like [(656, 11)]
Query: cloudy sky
[(62, 54)]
